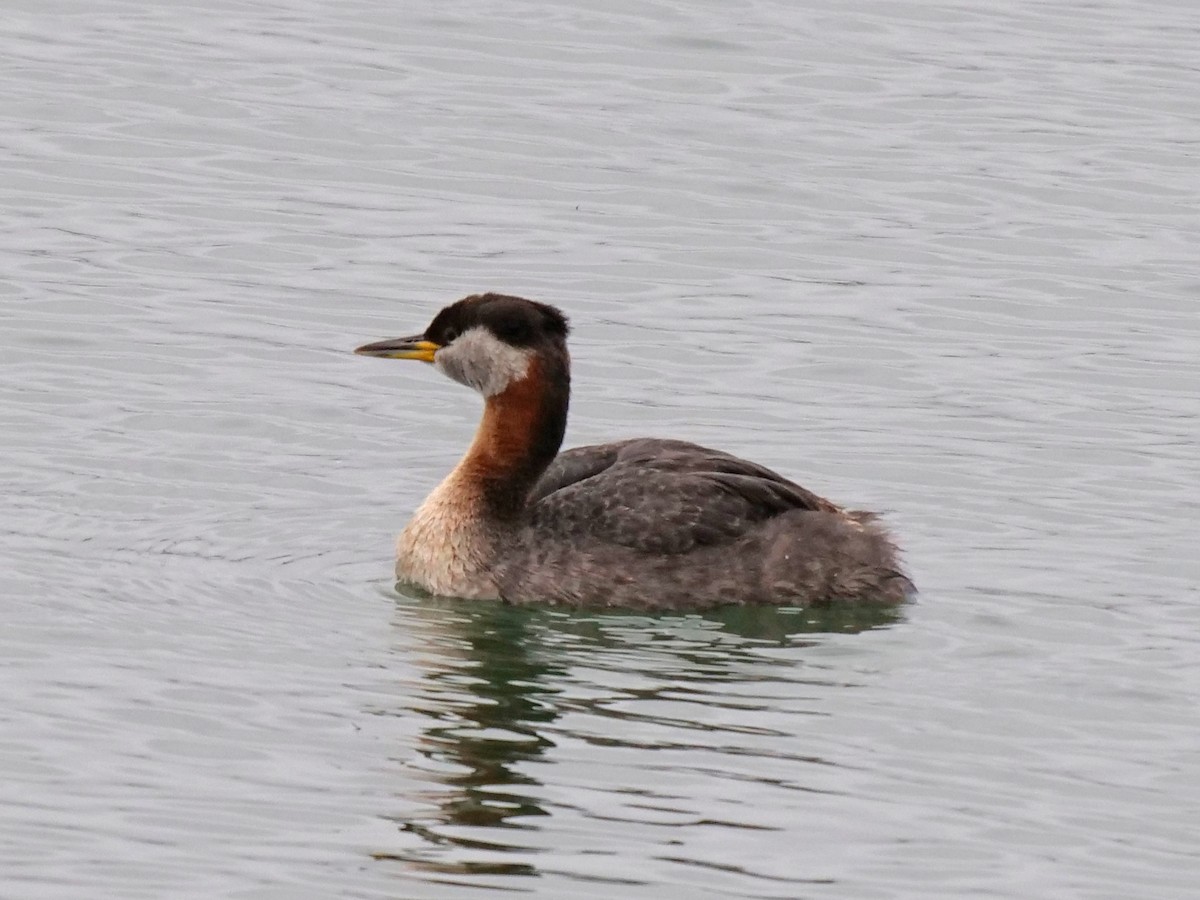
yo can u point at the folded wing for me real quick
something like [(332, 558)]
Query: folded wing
[(661, 496)]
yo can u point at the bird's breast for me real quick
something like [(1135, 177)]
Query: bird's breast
[(446, 549)]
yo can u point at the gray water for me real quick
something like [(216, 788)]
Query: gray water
[(935, 258)]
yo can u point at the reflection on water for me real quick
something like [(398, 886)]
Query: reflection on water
[(495, 678), (483, 692)]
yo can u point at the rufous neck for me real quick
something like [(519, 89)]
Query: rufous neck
[(518, 437)]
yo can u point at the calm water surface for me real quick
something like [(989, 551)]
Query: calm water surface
[(935, 258)]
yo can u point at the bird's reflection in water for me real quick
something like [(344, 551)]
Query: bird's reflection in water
[(481, 691), (491, 684)]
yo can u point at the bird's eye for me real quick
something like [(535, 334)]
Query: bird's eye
[(449, 336)]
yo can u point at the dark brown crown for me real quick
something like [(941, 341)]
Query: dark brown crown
[(514, 320)]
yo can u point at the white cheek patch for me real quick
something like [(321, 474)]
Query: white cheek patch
[(480, 360)]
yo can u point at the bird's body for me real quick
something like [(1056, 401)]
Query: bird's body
[(644, 523)]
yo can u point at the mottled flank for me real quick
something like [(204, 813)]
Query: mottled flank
[(657, 524), (642, 524)]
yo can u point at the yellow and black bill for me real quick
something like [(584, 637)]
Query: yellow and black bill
[(415, 347)]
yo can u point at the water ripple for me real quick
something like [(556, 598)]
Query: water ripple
[(932, 258)]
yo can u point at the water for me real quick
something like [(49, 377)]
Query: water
[(935, 258)]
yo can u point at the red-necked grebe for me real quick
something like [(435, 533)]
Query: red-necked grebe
[(645, 523)]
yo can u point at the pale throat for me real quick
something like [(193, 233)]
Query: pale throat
[(483, 362)]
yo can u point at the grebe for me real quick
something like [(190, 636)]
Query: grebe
[(644, 523)]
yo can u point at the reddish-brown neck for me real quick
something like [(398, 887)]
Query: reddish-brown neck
[(518, 437)]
